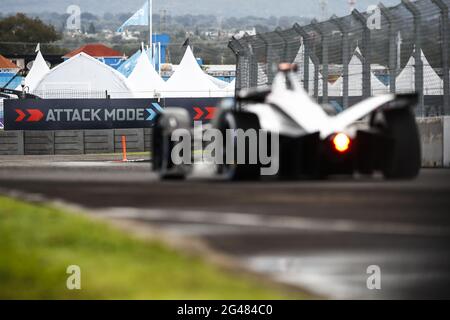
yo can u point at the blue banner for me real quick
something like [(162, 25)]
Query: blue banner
[(74, 114)]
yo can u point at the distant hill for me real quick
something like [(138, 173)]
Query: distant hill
[(226, 8)]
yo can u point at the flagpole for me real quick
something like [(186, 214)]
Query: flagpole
[(150, 25), (159, 58)]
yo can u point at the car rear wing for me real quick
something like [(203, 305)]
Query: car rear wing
[(254, 95), (366, 107)]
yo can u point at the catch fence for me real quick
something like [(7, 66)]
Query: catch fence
[(343, 60)]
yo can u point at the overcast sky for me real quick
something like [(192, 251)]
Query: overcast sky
[(308, 8)]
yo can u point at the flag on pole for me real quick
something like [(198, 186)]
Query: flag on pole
[(140, 18)]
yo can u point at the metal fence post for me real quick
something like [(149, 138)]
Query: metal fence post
[(418, 65), (286, 44), (324, 39), (266, 49), (272, 57), (306, 46), (345, 58), (366, 51), (270, 66), (392, 46), (242, 64), (316, 62), (444, 52), (238, 50), (253, 64), (292, 44)]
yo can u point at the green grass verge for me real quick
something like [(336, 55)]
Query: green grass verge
[(39, 242)]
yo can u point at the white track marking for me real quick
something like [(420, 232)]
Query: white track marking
[(275, 222)]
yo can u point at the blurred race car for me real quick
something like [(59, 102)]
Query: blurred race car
[(313, 142)]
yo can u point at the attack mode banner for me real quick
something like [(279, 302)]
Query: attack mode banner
[(74, 114)]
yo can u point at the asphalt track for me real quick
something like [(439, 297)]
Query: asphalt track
[(319, 235)]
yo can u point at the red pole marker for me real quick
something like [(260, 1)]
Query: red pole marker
[(124, 149)]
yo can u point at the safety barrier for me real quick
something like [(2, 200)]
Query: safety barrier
[(435, 138), (73, 141), (434, 132)]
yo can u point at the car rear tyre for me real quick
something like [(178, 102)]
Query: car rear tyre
[(403, 157), (166, 123), (233, 120)]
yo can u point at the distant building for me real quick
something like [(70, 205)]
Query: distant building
[(164, 40), (7, 71), (224, 72), (25, 61), (110, 57), (128, 35), (242, 33), (7, 66)]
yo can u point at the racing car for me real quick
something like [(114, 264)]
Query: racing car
[(377, 135)]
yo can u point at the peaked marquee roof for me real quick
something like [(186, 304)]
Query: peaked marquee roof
[(189, 80), (96, 50), (144, 80), (355, 79), (432, 83), (37, 72), (83, 75), (299, 60)]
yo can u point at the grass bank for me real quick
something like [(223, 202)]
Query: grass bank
[(39, 242)]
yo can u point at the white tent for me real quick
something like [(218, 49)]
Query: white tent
[(335, 89), (432, 83), (232, 85), (83, 76), (38, 70), (355, 80), (299, 60), (144, 81), (219, 83), (230, 89), (189, 80)]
